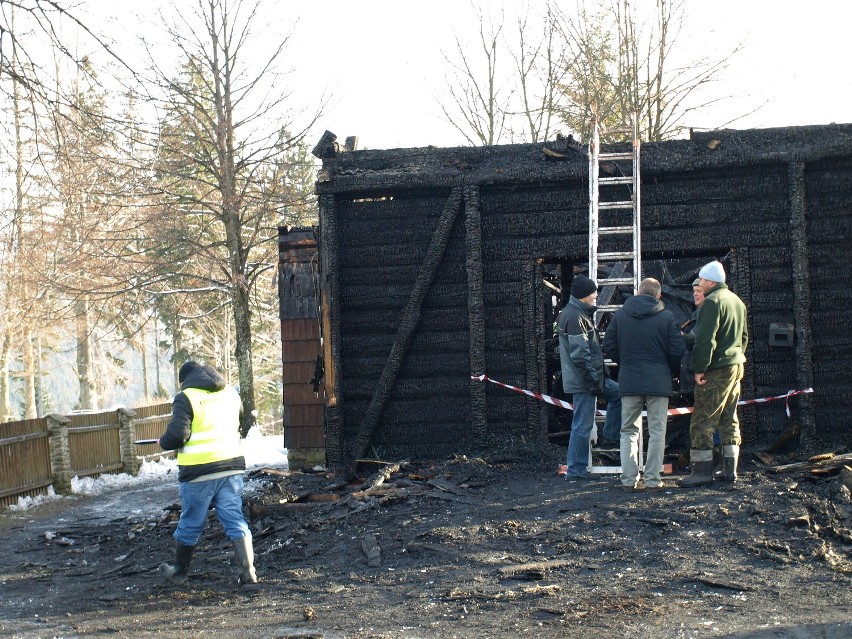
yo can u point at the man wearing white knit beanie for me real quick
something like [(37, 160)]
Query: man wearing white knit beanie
[(721, 337)]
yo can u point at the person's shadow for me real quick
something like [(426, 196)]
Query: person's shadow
[(839, 630)]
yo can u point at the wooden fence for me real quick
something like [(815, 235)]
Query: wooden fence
[(36, 454)]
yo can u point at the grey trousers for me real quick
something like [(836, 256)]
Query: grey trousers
[(631, 431)]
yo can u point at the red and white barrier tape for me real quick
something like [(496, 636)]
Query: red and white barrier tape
[(671, 411)]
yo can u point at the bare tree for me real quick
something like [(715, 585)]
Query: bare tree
[(618, 65), (20, 252), (600, 60), (477, 101), (540, 74), (589, 88), (224, 139), (31, 28)]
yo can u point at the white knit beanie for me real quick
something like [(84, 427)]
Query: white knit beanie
[(713, 272)]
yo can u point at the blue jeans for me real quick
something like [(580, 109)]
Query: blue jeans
[(226, 495), (585, 405)]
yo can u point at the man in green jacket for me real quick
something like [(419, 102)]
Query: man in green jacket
[(721, 337)]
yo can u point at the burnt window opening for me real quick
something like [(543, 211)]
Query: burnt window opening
[(378, 198)]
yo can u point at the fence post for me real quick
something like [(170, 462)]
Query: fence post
[(127, 435), (60, 453)]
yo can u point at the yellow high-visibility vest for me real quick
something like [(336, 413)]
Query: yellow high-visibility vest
[(215, 422)]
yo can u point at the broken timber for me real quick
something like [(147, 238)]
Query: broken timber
[(813, 464)]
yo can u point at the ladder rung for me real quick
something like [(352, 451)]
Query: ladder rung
[(628, 179), (615, 281), (626, 155), (615, 205), (615, 230), (615, 256)]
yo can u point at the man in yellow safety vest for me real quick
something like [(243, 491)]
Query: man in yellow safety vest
[(204, 432)]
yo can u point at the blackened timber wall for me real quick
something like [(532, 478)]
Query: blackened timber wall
[(774, 204)]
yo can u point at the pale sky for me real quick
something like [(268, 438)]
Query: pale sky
[(382, 59)]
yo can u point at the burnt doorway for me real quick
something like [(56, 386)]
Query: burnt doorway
[(675, 271)]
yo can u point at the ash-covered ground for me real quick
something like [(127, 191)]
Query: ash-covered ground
[(466, 547)]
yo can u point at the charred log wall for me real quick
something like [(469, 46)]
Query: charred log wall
[(828, 188), (774, 205), (384, 242)]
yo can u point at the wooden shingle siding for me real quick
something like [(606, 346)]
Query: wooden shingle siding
[(303, 400)]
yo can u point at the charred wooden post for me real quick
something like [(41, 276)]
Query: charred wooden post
[(329, 287), (531, 344), (475, 313), (801, 296), (740, 268), (543, 333)]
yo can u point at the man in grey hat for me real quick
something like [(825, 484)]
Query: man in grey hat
[(718, 356), (584, 375), (687, 377)]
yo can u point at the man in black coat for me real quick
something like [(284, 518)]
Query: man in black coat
[(645, 340)]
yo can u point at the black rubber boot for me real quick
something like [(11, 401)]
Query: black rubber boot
[(178, 571), (245, 561), (729, 462), (702, 469)]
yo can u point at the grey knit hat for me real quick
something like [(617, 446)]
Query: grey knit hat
[(712, 271)]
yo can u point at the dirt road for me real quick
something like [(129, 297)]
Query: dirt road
[(467, 548)]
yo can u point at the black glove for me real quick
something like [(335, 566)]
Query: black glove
[(596, 389)]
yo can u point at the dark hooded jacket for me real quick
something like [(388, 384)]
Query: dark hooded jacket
[(644, 339), (179, 429), (580, 352)]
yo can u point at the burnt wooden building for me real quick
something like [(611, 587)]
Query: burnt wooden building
[(436, 265)]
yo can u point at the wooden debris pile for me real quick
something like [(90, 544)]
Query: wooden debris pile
[(329, 498), (823, 465)]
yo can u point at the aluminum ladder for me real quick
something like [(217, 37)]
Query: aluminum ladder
[(612, 218)]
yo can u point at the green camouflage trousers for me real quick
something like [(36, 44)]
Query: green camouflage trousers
[(716, 408)]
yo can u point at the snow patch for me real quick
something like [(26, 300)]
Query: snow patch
[(259, 451)]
